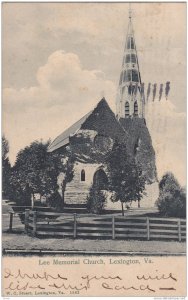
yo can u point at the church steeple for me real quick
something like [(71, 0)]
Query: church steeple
[(130, 101)]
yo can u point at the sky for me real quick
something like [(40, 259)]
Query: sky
[(60, 59)]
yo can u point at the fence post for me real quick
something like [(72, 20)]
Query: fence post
[(26, 220), (179, 230), (148, 233), (34, 222), (74, 228), (113, 228), (11, 221)]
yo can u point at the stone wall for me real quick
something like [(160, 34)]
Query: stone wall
[(76, 191)]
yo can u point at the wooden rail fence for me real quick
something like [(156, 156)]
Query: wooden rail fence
[(49, 224)]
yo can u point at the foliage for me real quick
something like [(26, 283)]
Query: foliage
[(5, 147), (126, 181), (36, 171), (96, 200), (6, 167), (58, 163), (168, 183), (172, 197), (27, 173)]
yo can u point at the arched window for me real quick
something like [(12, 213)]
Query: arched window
[(126, 109), (136, 108), (83, 175)]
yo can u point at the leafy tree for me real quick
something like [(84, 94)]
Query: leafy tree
[(6, 167), (126, 181), (56, 164), (27, 173), (172, 197), (168, 183), (36, 171)]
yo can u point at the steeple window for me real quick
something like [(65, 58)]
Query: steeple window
[(132, 43), (125, 76), (136, 109), (128, 43), (133, 58), (126, 109), (128, 58), (129, 77), (135, 75), (130, 89)]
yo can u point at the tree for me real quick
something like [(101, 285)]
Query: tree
[(36, 171), (28, 171), (6, 167), (126, 181), (172, 197), (168, 183), (56, 164)]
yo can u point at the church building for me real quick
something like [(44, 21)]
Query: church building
[(94, 135)]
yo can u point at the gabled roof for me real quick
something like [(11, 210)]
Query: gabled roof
[(100, 119), (63, 138)]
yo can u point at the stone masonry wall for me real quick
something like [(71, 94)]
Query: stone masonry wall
[(76, 191)]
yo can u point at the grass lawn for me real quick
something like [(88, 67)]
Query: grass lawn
[(24, 242)]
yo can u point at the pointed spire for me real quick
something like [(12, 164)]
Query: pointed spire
[(130, 79), (130, 66)]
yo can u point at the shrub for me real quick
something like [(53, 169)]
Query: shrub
[(96, 200), (172, 198), (169, 183)]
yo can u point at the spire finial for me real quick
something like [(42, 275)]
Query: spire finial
[(130, 11)]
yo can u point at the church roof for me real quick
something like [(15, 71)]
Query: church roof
[(63, 138), (100, 119)]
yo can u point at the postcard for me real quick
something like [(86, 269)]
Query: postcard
[(94, 149)]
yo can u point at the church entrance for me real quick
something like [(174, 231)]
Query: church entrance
[(100, 180)]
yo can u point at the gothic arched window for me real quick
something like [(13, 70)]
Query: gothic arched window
[(136, 108), (83, 175), (126, 109)]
